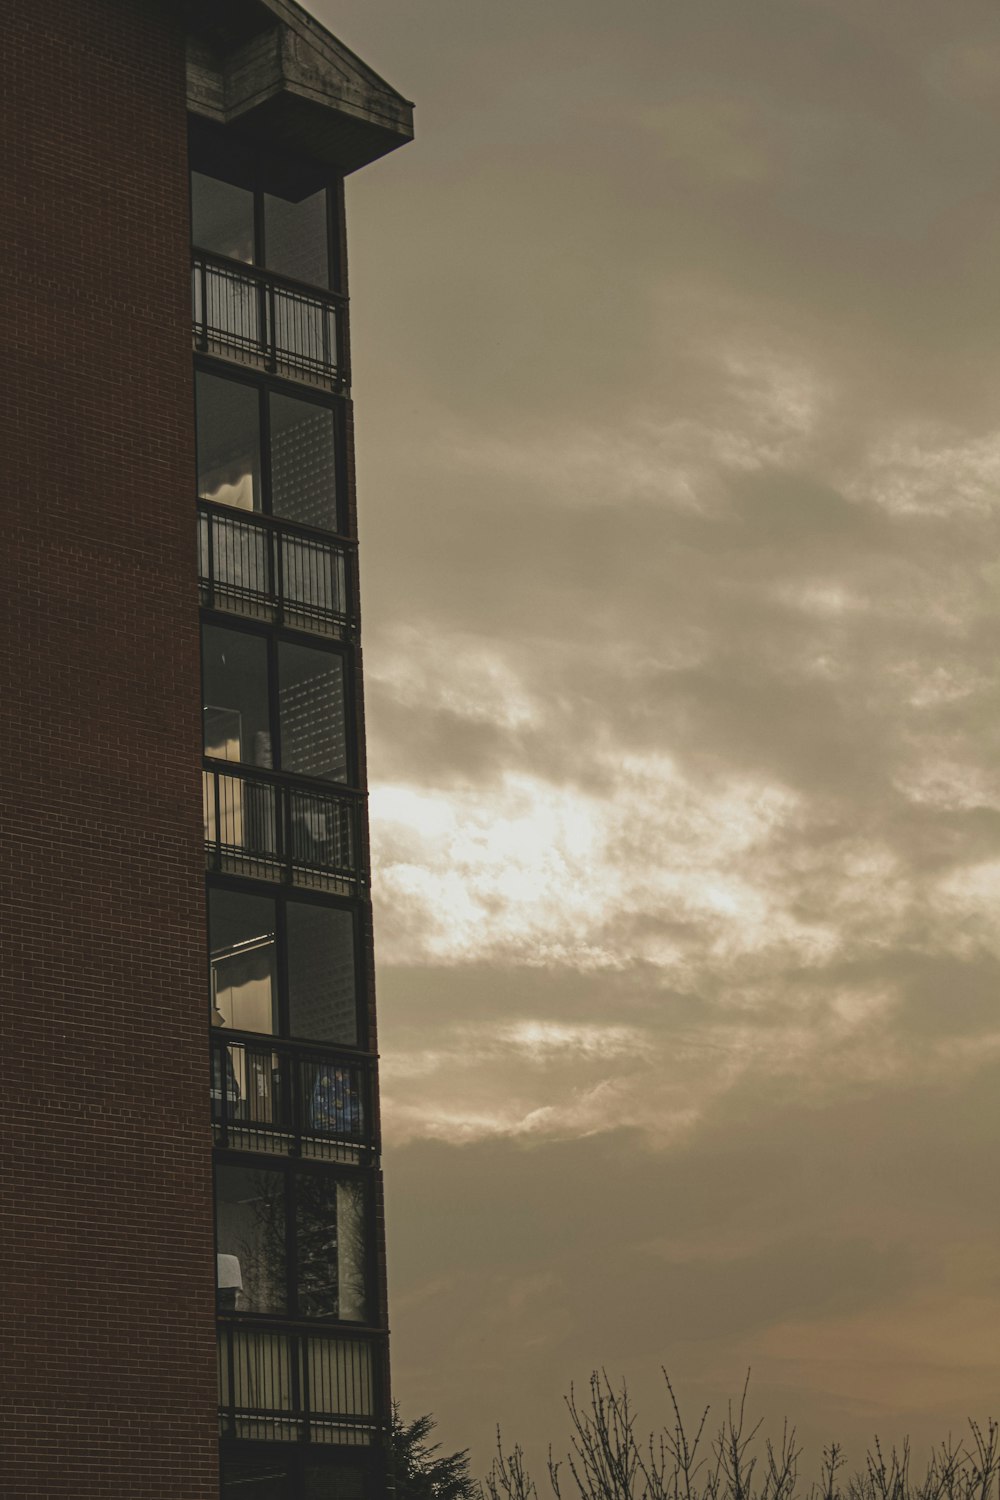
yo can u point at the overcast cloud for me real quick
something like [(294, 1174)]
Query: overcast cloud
[(677, 369)]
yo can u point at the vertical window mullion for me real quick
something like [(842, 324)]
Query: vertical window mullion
[(360, 991), (276, 580), (264, 427), (291, 1243), (350, 738), (210, 550), (273, 702), (281, 941), (340, 478)]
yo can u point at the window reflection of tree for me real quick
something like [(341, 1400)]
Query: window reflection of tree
[(351, 1219), (331, 1271), (317, 1247), (261, 1244), (330, 1231)]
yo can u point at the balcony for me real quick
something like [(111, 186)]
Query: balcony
[(297, 1386), (265, 569), (271, 1095), (256, 318), (266, 827)]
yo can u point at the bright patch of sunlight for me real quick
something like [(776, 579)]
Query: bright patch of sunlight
[(545, 874)]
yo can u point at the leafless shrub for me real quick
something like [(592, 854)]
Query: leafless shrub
[(609, 1460)]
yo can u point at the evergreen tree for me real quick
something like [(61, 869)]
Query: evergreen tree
[(417, 1471)]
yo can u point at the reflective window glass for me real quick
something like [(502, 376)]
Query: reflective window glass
[(303, 470), (328, 1483), (311, 708), (322, 995), (330, 1234), (254, 1479), (241, 934), (221, 217), (250, 1240), (296, 241), (235, 696), (228, 442)]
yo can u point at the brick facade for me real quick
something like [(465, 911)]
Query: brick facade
[(108, 1383)]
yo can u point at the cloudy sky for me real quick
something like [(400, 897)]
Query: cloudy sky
[(677, 343)]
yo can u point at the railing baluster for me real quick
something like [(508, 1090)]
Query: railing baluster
[(278, 1096), (303, 1401), (202, 274), (273, 1382), (279, 562), (271, 353), (245, 313), (218, 823), (264, 569), (231, 1372), (228, 1103)]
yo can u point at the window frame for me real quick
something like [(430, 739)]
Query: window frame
[(265, 386), (257, 180), (292, 1171), (294, 1457), (273, 638), (281, 896)]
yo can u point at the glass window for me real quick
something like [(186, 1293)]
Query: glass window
[(241, 933), (257, 1478), (352, 1259), (251, 1207), (254, 1479), (236, 711), (322, 989), (228, 442), (296, 238), (311, 708), (221, 217), (303, 470), (326, 1482), (330, 1235), (250, 1240), (237, 708), (322, 996)]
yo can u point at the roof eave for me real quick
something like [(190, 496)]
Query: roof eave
[(292, 86)]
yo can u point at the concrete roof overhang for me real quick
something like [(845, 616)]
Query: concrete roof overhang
[(269, 68)]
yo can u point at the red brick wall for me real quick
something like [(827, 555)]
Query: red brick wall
[(107, 1374)]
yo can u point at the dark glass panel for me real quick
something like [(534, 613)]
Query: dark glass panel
[(221, 217), (250, 1240), (311, 708), (352, 1256), (255, 1479), (228, 442), (322, 989), (331, 1249), (241, 945), (329, 1482), (303, 468), (235, 696), (296, 241)]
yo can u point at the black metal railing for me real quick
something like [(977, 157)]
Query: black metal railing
[(276, 1096), (263, 826), (278, 1384), (266, 569), (252, 316)]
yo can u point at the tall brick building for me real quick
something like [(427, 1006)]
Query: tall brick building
[(188, 1008)]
